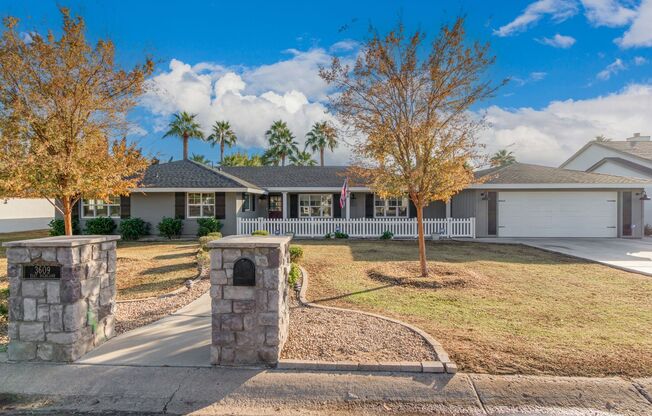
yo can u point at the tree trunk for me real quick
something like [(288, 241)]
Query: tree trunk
[(422, 242), (66, 205), (221, 152), (321, 155), (185, 147), (282, 160)]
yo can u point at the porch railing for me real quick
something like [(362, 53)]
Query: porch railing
[(359, 227)]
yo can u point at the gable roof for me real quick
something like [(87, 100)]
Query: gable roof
[(290, 176), (187, 174), (523, 173), (639, 149), (623, 162)]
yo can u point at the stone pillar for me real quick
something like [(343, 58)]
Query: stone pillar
[(250, 318), (61, 296)]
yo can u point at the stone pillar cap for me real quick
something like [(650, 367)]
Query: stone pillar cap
[(63, 241), (249, 241)]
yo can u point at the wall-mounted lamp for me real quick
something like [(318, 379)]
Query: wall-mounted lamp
[(352, 196), (644, 196), (484, 196), (262, 197)]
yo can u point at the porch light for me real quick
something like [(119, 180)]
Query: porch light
[(644, 196), (484, 196)]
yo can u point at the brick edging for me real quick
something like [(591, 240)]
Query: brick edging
[(444, 364)]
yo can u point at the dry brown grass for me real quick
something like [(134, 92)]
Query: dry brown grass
[(498, 309)]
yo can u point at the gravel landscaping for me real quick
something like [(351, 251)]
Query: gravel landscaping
[(329, 335), (131, 315)]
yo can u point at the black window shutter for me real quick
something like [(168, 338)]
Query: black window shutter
[(180, 205), (412, 209), (294, 206), (337, 209), (125, 207), (254, 197), (220, 205), (369, 206)]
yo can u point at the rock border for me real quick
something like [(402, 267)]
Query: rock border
[(443, 365)]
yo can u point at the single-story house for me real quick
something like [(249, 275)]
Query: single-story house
[(518, 200), (631, 157), (25, 214)]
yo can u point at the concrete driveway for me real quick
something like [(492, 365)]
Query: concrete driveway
[(630, 255)]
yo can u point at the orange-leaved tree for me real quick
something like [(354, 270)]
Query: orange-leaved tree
[(410, 104), (63, 117)]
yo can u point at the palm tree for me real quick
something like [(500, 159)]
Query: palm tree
[(602, 138), (503, 158), (302, 159), (321, 136), (200, 159), (222, 135), (184, 125), (281, 141)]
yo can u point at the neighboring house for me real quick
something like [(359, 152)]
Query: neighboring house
[(25, 214), (631, 157), (518, 200)]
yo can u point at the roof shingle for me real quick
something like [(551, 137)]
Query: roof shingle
[(290, 176), (186, 174), (522, 173)]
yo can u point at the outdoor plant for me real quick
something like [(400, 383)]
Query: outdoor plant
[(339, 234), (296, 254), (57, 227), (207, 226), (170, 227), (648, 230), (387, 235), (133, 228), (100, 225), (293, 276), (203, 241), (260, 232), (328, 235)]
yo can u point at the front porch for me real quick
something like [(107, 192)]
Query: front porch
[(359, 227)]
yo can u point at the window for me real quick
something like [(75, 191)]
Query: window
[(93, 208), (315, 205), (201, 205), (248, 203), (390, 207)]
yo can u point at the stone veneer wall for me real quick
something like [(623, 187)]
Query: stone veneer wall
[(61, 320), (249, 323)]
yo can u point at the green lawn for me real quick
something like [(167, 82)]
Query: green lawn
[(497, 308)]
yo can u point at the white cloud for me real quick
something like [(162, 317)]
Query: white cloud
[(343, 46), (552, 134), (558, 41), (639, 33), (639, 60), (250, 98), (558, 10), (533, 77), (607, 13), (611, 69), (538, 76)]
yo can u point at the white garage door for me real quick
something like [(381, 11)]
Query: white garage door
[(557, 214)]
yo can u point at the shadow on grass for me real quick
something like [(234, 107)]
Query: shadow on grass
[(346, 295), (170, 268), (172, 256), (445, 251)]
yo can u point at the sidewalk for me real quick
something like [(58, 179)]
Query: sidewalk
[(179, 390)]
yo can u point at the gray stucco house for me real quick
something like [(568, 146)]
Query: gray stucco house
[(518, 200)]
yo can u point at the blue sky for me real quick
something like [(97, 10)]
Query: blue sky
[(578, 68)]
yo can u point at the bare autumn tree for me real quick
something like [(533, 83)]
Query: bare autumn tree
[(63, 107), (409, 102)]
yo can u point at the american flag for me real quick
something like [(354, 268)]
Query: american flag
[(345, 190)]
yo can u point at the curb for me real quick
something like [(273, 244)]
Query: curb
[(443, 365)]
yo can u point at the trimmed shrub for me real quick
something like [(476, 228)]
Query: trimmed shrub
[(341, 235), (57, 227), (133, 228), (215, 234), (260, 232), (207, 226), (203, 241), (387, 235), (647, 230), (296, 254), (294, 275), (170, 227), (328, 235), (100, 225)]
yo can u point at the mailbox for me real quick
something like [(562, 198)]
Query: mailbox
[(244, 273)]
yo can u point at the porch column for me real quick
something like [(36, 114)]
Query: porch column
[(448, 209), (348, 205), (285, 205)]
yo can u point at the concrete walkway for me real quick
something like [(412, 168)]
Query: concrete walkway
[(630, 255), (181, 339), (176, 390)]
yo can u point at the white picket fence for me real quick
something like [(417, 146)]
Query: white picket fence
[(359, 227)]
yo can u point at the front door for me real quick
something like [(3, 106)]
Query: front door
[(275, 206)]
